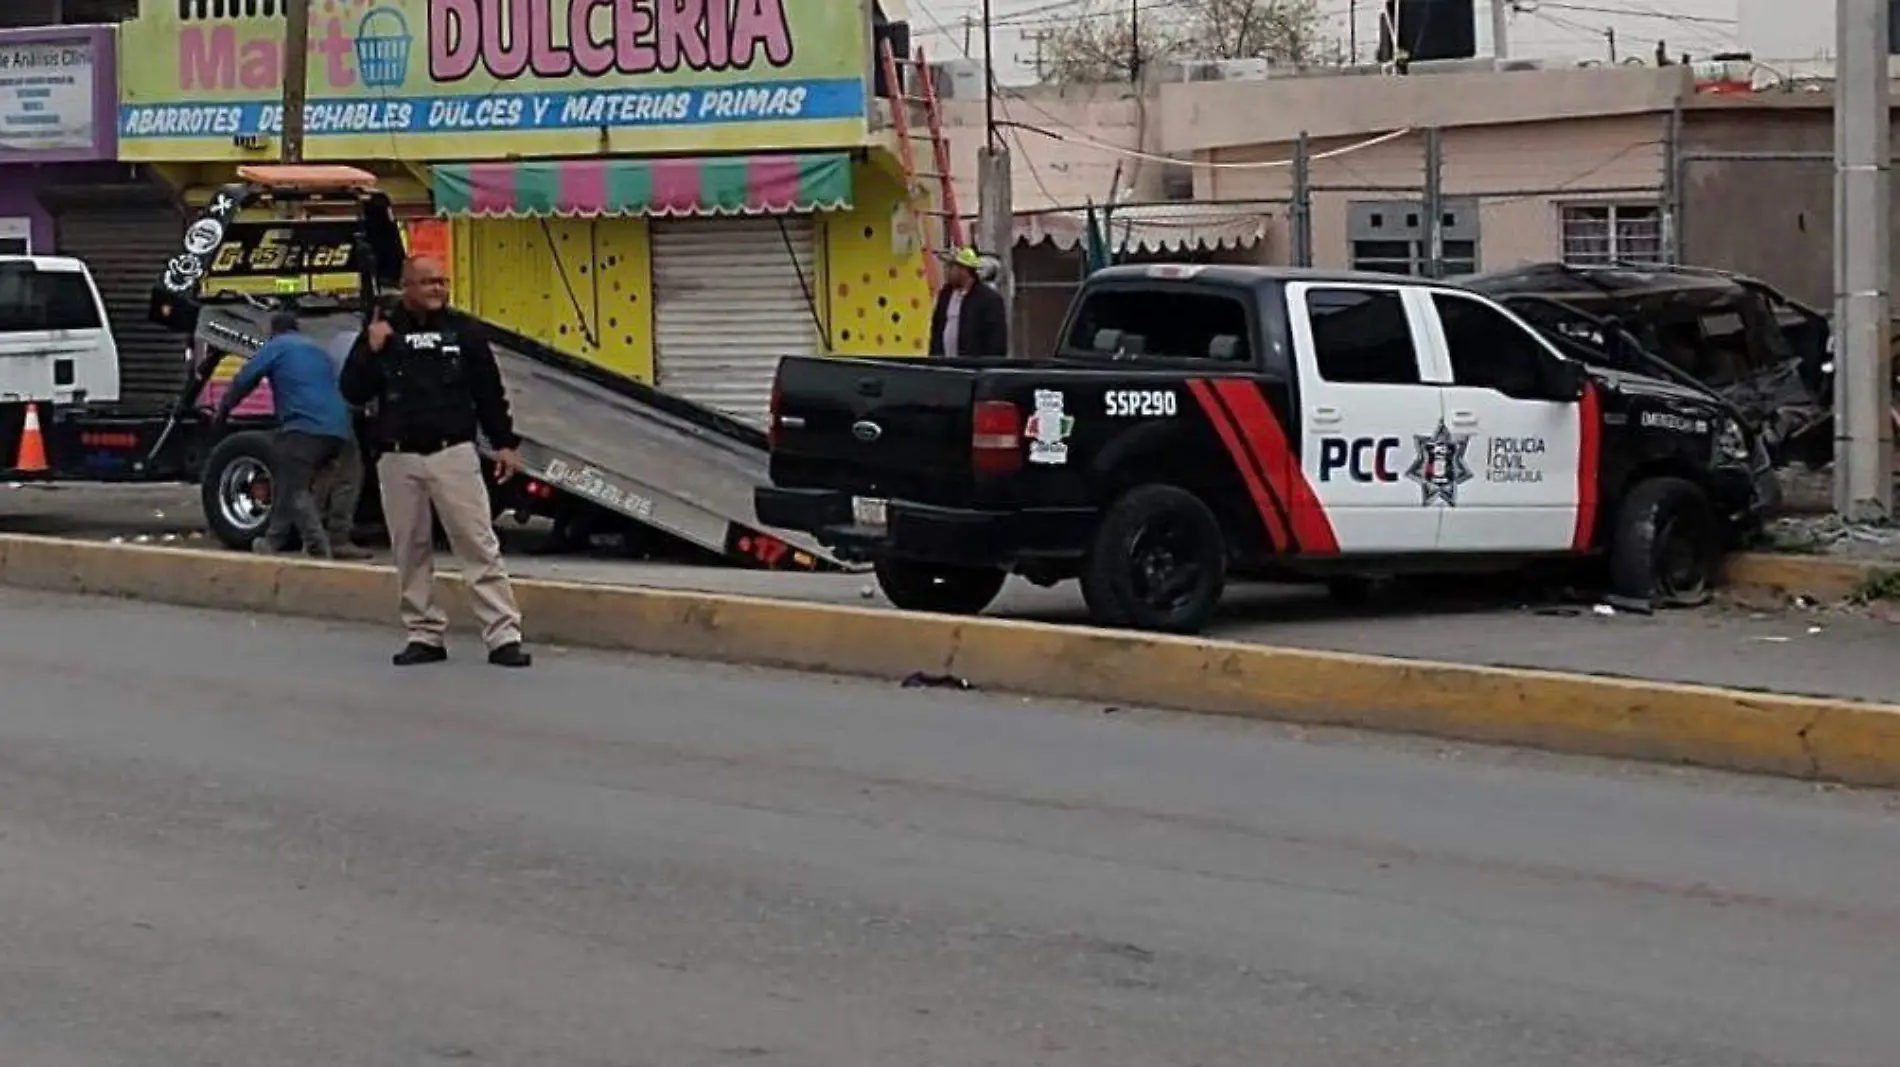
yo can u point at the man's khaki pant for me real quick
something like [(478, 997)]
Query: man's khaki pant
[(447, 484)]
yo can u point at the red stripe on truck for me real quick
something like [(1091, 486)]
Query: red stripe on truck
[(1262, 432), (1589, 459), (1250, 472)]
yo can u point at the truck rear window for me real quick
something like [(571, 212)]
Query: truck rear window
[(1160, 324), (45, 300)]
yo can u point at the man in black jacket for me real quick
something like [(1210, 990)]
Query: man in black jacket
[(436, 385), (970, 318)]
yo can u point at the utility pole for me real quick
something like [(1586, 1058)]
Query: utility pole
[(1434, 202), (989, 79), (1500, 31), (1863, 271), (296, 76), (995, 213), (1134, 42), (1040, 38), (996, 222)]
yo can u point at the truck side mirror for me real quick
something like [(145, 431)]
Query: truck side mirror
[(1564, 379)]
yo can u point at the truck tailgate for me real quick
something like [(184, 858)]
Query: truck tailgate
[(876, 427)]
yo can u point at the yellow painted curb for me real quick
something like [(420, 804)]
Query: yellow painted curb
[(1816, 577), (1840, 740)]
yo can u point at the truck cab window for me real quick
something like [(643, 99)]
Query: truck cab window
[(1362, 336), (32, 299), (1160, 324), (1488, 350)]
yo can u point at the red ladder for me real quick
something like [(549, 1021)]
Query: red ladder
[(918, 194)]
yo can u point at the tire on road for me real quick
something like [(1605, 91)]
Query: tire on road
[(1158, 562), (1667, 543), (948, 590), (235, 488)]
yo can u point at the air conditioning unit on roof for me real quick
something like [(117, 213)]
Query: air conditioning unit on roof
[(1222, 70), (958, 79)]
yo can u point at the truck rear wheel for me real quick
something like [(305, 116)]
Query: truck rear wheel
[(235, 489), (1667, 545), (1158, 562), (942, 588)]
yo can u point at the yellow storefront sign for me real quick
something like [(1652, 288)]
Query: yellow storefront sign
[(471, 79)]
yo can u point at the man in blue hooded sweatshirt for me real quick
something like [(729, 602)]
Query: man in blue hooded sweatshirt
[(313, 425)]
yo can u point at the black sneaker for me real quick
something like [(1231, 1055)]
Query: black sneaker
[(510, 655), (416, 653)]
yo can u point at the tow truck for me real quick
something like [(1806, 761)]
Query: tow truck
[(603, 453)]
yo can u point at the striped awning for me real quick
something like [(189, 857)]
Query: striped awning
[(590, 188)]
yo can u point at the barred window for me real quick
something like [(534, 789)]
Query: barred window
[(1601, 235)]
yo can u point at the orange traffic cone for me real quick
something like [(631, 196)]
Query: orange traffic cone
[(32, 445)]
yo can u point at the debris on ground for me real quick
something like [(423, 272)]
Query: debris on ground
[(1629, 604), (922, 680), (1880, 586), (1830, 535)]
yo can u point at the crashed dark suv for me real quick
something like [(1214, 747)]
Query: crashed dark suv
[(1756, 348)]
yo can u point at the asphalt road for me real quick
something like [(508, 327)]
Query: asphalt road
[(238, 841)]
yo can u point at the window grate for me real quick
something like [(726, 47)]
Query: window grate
[(1601, 235), (1412, 258)]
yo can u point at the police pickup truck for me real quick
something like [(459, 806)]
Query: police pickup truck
[(1198, 422)]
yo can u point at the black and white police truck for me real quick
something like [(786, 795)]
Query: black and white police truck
[(1197, 422)]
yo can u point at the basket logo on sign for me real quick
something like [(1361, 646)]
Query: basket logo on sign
[(382, 48)]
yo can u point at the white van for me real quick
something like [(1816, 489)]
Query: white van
[(56, 345)]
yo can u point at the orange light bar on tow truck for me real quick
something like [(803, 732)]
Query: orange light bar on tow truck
[(309, 178)]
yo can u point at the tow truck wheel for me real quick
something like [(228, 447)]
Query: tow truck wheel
[(947, 590), (1158, 562), (235, 489), (1667, 545)]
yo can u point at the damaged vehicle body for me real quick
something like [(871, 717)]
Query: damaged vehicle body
[(1767, 355)]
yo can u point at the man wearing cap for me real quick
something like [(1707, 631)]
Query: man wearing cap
[(970, 318), (313, 423)]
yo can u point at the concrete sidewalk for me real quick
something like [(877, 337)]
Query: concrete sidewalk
[(1825, 653)]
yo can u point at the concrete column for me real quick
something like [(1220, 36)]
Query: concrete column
[(1863, 376), (996, 222)]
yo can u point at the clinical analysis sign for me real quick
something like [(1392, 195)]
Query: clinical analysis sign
[(466, 79)]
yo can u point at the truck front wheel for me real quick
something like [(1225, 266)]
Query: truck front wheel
[(1158, 562), (1667, 544), (942, 588)]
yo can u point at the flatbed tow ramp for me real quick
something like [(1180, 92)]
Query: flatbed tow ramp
[(647, 457)]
